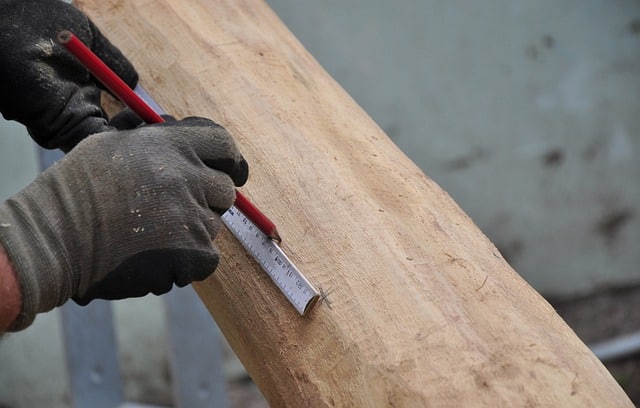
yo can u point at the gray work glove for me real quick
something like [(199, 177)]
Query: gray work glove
[(123, 214), (43, 86)]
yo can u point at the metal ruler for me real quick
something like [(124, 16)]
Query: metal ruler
[(291, 282)]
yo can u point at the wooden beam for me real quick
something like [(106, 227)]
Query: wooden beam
[(423, 310)]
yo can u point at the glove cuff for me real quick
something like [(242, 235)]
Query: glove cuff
[(37, 258)]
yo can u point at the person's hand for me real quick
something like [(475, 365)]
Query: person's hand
[(123, 214), (43, 86)]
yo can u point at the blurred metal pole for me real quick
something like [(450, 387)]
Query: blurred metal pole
[(197, 369), (90, 343), (617, 347)]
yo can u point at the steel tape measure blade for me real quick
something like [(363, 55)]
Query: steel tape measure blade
[(291, 282)]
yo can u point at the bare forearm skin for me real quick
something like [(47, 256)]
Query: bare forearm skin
[(10, 296)]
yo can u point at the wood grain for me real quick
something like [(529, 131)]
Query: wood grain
[(423, 309)]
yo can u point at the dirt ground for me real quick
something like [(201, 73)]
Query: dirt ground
[(603, 316), (594, 318), (244, 394)]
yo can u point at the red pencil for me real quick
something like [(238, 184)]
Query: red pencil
[(120, 89)]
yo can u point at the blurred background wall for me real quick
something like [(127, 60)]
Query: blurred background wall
[(526, 112)]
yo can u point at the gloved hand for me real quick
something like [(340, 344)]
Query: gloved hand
[(43, 86), (123, 214)]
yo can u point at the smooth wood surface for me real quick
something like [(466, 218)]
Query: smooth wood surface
[(423, 309)]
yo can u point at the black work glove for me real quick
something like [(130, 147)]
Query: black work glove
[(43, 86), (123, 214)]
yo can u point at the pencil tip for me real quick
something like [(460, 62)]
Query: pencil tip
[(274, 236)]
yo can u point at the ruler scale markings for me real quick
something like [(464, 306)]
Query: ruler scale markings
[(296, 288)]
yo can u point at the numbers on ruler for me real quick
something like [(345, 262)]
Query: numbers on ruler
[(290, 281)]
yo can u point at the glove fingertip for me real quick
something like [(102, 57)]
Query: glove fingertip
[(241, 173), (126, 119), (201, 266)]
